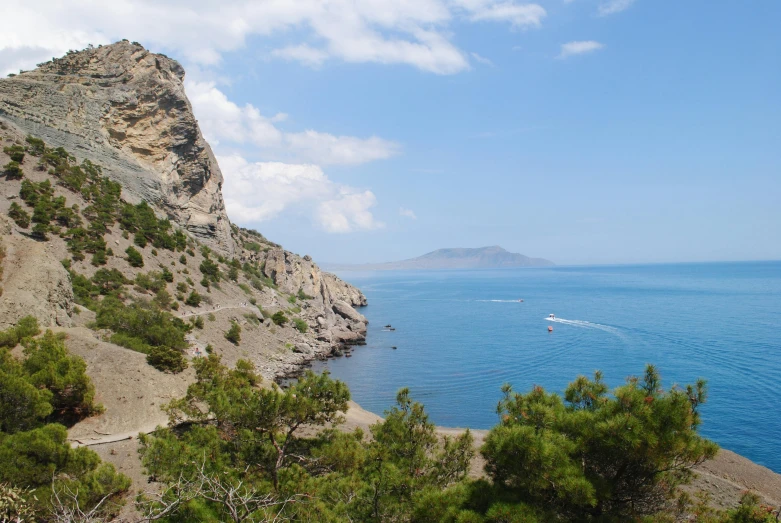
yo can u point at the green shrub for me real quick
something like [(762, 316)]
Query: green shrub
[(26, 327), (35, 146), (245, 288), (211, 317), (181, 287), (252, 319), (16, 152), (99, 258), (197, 322), (291, 299), (303, 296), (108, 280), (39, 231), (234, 333), (252, 246), (13, 171), (163, 299), (300, 325), (50, 367), (183, 259), (134, 257), (19, 215), (279, 318), (167, 275), (151, 327), (194, 299), (166, 359), (151, 281), (210, 270)]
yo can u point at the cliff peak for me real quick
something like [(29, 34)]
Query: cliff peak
[(125, 108)]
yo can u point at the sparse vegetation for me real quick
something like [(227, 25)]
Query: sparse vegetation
[(194, 299), (134, 257), (234, 333), (13, 171), (144, 327), (279, 318), (19, 215), (300, 325)]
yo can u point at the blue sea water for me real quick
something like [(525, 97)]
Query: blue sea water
[(462, 334)]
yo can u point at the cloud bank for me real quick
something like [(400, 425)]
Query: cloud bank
[(260, 191), (415, 33)]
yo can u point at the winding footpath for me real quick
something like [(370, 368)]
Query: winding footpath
[(216, 309)]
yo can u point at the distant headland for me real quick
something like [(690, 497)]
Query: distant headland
[(494, 257)]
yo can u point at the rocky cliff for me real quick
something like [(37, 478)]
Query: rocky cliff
[(125, 109)]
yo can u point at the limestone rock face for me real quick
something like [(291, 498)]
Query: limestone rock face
[(125, 108), (333, 298)]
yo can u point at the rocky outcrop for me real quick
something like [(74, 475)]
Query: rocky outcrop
[(334, 299), (125, 109)]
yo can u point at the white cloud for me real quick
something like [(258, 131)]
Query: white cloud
[(302, 53), (257, 192), (614, 6), (348, 212), (582, 47), (519, 15), (407, 213), (222, 120), (412, 32), (482, 59)]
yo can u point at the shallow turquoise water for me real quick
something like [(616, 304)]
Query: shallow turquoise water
[(462, 334)]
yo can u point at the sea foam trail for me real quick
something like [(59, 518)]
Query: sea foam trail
[(500, 301), (585, 325)]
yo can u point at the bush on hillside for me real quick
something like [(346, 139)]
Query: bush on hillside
[(19, 215), (300, 325), (194, 299), (134, 257), (13, 171), (51, 367), (144, 327), (279, 318), (234, 333), (16, 152)]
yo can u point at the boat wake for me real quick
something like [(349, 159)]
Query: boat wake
[(586, 325), (500, 301)]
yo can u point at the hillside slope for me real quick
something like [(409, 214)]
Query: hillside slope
[(120, 111)]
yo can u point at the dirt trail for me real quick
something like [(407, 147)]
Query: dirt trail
[(217, 309)]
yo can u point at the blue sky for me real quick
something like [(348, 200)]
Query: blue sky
[(583, 131)]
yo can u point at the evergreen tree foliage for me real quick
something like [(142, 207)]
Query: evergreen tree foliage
[(36, 458), (50, 367), (594, 455)]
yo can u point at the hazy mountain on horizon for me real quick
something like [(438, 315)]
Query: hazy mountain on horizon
[(493, 257)]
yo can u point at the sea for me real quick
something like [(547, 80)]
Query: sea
[(461, 334)]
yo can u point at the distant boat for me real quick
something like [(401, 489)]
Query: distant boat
[(551, 316)]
